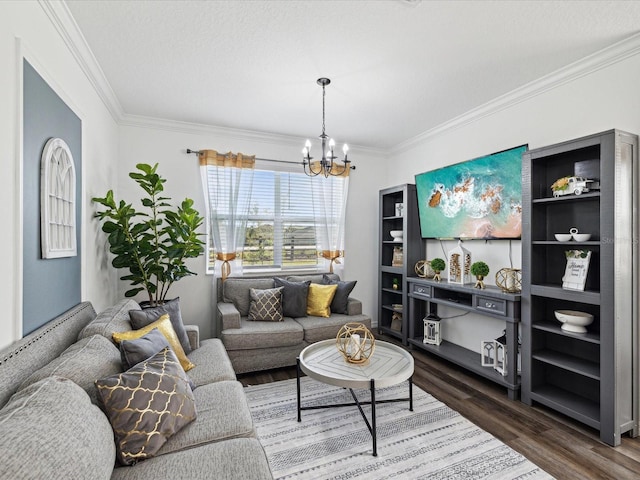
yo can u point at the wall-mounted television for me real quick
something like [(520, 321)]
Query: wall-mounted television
[(476, 199)]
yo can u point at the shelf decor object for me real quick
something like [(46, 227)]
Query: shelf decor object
[(459, 265), (575, 274), (488, 353), (509, 280), (480, 270), (573, 321), (355, 342), (399, 208), (432, 334), (591, 377), (395, 268)]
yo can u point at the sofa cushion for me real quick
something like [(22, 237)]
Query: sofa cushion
[(236, 458), (113, 319), (319, 299), (294, 297), (164, 325), (320, 328), (252, 335), (223, 413), (142, 318), (236, 291), (138, 350), (51, 427), (146, 405), (212, 363), (341, 298), (316, 278), (83, 363), (266, 305)]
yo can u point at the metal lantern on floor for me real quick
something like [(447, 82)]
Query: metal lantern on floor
[(500, 363), (432, 334), (459, 265), (488, 353)]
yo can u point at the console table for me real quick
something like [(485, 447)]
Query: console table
[(424, 298)]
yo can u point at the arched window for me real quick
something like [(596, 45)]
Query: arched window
[(57, 200)]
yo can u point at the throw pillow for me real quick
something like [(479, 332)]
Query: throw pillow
[(146, 405), (294, 297), (319, 300), (140, 349), (164, 325), (266, 304), (142, 318), (341, 298)]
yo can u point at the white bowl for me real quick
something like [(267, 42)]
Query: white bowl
[(397, 235), (574, 321), (581, 237), (563, 237)]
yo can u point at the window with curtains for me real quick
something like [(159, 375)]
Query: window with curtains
[(281, 227)]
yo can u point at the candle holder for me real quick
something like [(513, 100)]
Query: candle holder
[(355, 342)]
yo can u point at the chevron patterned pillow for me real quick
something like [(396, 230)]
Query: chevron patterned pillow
[(266, 304)]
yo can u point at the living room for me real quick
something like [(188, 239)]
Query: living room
[(594, 92)]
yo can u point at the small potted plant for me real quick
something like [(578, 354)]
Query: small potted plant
[(480, 270), (437, 265)]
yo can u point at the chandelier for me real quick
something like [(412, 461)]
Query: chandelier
[(327, 166)]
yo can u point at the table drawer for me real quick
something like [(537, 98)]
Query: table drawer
[(420, 290), (492, 305)]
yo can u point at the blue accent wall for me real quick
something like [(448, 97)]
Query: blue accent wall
[(50, 286)]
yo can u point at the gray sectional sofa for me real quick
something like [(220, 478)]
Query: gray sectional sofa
[(52, 428), (255, 345)]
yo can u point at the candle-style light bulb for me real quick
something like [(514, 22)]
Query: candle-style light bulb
[(345, 149), (307, 144), (332, 143)]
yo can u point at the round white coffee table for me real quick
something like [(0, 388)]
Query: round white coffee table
[(389, 365)]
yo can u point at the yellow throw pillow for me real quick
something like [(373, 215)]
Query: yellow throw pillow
[(319, 299), (164, 325)]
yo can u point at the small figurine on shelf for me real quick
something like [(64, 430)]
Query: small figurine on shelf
[(480, 270), (573, 185), (437, 265), (395, 284)]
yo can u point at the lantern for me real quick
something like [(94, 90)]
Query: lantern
[(509, 280), (432, 333), (459, 265), (488, 353)]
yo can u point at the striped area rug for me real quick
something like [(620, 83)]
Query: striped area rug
[(432, 442)]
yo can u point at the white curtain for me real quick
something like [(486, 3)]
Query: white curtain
[(329, 208), (227, 182)]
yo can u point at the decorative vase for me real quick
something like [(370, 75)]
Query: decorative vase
[(436, 276), (479, 282)]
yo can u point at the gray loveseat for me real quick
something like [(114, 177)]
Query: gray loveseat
[(51, 427), (259, 345)]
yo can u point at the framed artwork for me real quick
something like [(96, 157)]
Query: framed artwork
[(575, 274)]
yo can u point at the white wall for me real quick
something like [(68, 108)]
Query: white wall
[(25, 29), (166, 144), (605, 99)]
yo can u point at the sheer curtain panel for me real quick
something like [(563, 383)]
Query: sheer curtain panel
[(227, 182)]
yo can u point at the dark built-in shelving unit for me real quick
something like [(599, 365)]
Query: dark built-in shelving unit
[(413, 250), (591, 377)]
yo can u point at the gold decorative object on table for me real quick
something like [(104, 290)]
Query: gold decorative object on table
[(509, 280), (423, 269), (355, 342)]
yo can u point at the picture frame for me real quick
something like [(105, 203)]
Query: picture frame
[(575, 274), (398, 257)]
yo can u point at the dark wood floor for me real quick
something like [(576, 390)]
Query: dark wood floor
[(565, 449)]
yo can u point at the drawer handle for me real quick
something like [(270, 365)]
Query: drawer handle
[(489, 305)]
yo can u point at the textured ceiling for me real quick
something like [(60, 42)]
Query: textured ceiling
[(398, 68)]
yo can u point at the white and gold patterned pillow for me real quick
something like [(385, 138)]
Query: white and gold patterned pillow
[(146, 405), (266, 304)]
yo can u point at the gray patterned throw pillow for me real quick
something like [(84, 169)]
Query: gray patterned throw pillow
[(266, 304)]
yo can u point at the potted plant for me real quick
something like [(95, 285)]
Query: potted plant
[(152, 244), (480, 270), (437, 265)]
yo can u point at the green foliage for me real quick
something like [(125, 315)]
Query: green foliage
[(479, 269), (438, 265), (152, 244)]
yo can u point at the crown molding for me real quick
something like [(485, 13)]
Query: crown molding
[(140, 121), (65, 24), (601, 59), (61, 17)]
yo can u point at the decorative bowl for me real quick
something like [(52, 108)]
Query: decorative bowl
[(563, 237), (397, 235), (581, 237), (574, 321)]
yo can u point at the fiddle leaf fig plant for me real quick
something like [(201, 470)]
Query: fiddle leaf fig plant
[(154, 243)]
